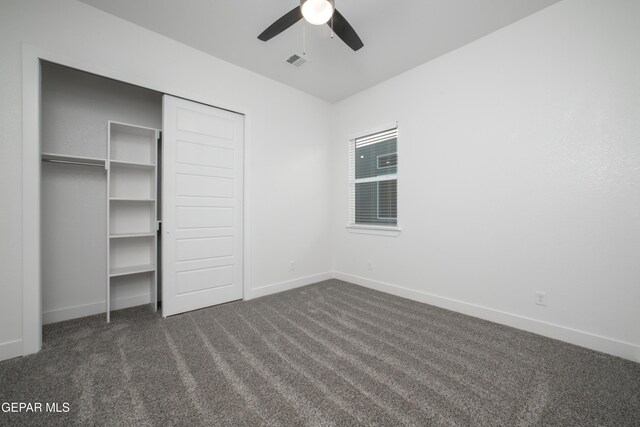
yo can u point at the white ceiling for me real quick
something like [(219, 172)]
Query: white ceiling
[(398, 35)]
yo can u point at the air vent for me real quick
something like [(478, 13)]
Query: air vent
[(297, 60)]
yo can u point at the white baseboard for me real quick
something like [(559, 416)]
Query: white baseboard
[(68, 313), (289, 284), (573, 336), (10, 349)]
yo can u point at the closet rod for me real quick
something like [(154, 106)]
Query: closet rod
[(70, 162)]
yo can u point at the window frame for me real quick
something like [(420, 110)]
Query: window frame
[(392, 230)]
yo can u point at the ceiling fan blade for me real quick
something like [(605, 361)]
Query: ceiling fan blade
[(287, 20), (345, 31)]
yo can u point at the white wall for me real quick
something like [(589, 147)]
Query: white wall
[(287, 135), (519, 171)]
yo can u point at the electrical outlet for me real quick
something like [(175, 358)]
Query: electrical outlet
[(292, 265), (541, 298), (370, 265)]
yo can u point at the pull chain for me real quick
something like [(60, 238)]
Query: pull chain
[(334, 12), (332, 15), (332, 23), (304, 38)]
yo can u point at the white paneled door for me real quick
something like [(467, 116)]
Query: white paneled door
[(201, 206)]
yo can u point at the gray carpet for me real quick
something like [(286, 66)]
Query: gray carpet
[(327, 354)]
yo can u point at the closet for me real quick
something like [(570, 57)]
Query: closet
[(105, 187)]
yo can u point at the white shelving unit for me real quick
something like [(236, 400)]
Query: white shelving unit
[(132, 153)]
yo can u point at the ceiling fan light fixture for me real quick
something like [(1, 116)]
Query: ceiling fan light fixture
[(317, 12)]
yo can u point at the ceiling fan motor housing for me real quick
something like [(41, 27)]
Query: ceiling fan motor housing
[(332, 2)]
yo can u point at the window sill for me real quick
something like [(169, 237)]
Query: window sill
[(374, 230)]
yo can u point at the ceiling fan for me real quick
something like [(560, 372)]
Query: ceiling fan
[(316, 12)]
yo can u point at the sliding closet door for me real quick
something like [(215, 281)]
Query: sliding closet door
[(201, 206)]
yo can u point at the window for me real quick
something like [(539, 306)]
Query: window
[(373, 179)]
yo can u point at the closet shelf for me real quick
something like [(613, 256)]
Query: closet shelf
[(127, 235), (132, 187), (63, 158), (130, 199), (133, 165), (134, 269)]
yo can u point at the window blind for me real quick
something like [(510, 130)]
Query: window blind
[(373, 179)]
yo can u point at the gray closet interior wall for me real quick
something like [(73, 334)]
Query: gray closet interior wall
[(76, 107)]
